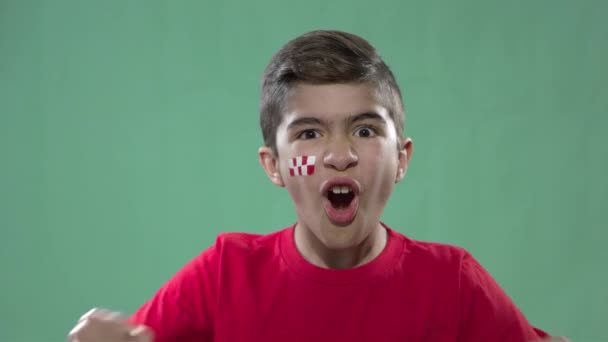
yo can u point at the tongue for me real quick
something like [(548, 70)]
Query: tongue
[(342, 213)]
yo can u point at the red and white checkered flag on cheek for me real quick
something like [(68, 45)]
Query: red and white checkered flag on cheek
[(302, 166)]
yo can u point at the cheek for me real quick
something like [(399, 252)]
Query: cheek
[(380, 157), (301, 191), (381, 170), (301, 181)]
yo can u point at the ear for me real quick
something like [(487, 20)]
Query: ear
[(406, 148), (270, 164)]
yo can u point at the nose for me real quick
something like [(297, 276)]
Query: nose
[(340, 156)]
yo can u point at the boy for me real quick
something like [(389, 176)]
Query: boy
[(332, 120)]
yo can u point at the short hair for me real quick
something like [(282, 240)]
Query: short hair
[(325, 57)]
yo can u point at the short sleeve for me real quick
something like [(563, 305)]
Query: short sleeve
[(486, 311), (183, 308)]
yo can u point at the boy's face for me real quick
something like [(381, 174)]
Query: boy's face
[(358, 160)]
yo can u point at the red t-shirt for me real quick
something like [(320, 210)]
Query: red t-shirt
[(251, 287)]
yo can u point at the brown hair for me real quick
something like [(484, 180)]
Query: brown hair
[(324, 57)]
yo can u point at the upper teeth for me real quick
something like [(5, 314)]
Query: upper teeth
[(341, 189)]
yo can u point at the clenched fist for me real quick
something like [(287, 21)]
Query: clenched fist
[(100, 325)]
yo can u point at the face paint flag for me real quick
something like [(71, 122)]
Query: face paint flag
[(302, 166)]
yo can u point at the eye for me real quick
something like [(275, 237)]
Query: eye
[(365, 132), (308, 134)]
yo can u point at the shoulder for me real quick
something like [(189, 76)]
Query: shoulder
[(435, 253), (239, 249), (438, 261), (442, 259), (232, 244), (231, 250), (241, 242)]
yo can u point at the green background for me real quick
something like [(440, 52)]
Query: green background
[(129, 131)]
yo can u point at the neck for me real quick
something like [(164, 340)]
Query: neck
[(319, 254)]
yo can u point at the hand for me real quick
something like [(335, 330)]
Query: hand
[(100, 325)]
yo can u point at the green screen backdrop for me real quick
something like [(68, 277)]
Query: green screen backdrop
[(129, 133)]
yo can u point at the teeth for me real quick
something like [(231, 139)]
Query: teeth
[(340, 189)]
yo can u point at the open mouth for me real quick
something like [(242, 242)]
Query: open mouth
[(342, 200), (340, 196)]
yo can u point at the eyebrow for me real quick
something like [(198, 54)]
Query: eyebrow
[(366, 116), (303, 121)]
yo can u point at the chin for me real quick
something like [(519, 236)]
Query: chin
[(343, 236)]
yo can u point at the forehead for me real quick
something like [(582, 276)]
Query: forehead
[(332, 101)]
